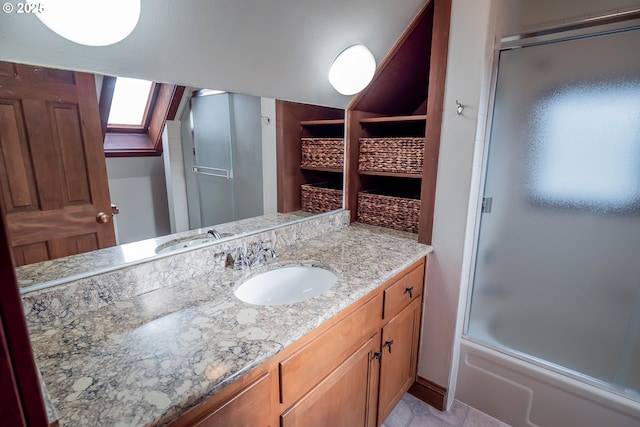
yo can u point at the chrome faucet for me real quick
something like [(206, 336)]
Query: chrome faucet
[(256, 255), (260, 254), (213, 233)]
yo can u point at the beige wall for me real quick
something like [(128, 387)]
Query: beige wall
[(466, 77)]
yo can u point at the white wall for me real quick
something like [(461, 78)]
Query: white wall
[(470, 23), (137, 187), (476, 26), (269, 177), (279, 48), (175, 178)]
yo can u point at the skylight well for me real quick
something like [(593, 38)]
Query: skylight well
[(130, 103)]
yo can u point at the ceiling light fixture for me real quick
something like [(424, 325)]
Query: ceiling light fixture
[(352, 70), (91, 22)]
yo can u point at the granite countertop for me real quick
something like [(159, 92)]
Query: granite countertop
[(117, 256), (146, 360)]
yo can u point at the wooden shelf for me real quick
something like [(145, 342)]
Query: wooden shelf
[(407, 88), (311, 168), (328, 122), (393, 174), (395, 119)]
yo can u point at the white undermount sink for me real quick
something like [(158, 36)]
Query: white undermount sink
[(285, 285)]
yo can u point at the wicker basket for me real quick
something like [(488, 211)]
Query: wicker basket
[(318, 198), (399, 155), (322, 153), (398, 213)]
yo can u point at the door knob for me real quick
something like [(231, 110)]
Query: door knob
[(102, 218)]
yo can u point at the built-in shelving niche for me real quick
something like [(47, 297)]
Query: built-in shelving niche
[(295, 122), (404, 99)]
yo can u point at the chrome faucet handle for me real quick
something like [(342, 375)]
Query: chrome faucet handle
[(240, 260), (270, 251), (260, 243), (258, 254)]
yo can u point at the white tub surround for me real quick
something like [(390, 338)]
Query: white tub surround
[(525, 394)]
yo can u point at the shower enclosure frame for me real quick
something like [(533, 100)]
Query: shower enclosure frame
[(576, 30)]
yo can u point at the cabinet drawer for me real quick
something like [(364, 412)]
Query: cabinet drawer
[(308, 366), (404, 290), (250, 407)]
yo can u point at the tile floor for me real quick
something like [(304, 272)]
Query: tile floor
[(413, 412)]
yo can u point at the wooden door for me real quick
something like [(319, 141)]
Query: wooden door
[(53, 178), (345, 398), (21, 402), (399, 358)]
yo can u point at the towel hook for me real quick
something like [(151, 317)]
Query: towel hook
[(460, 107)]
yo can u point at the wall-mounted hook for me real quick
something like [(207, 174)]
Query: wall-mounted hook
[(266, 120), (460, 107)]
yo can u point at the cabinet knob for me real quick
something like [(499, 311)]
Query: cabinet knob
[(377, 356), (409, 291), (388, 344)]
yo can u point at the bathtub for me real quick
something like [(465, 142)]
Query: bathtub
[(525, 393)]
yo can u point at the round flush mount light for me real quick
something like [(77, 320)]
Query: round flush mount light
[(352, 70), (91, 22)]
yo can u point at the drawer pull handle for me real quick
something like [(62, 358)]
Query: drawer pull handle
[(377, 356), (389, 344), (409, 291)]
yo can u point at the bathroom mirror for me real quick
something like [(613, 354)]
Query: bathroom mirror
[(199, 180), (241, 47)]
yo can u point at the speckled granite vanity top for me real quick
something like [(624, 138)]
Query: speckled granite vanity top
[(117, 256), (146, 359)]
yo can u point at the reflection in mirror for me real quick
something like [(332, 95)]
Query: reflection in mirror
[(222, 152), (191, 195)]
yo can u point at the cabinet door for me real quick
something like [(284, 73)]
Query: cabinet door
[(345, 398), (399, 358), (251, 407), (312, 363)]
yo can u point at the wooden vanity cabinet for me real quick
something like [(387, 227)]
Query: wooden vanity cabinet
[(350, 371)]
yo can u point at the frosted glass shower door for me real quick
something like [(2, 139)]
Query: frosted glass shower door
[(212, 141), (557, 268)]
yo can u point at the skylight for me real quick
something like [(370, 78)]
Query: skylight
[(130, 100)]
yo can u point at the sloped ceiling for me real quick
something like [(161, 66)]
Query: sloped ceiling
[(276, 48)]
